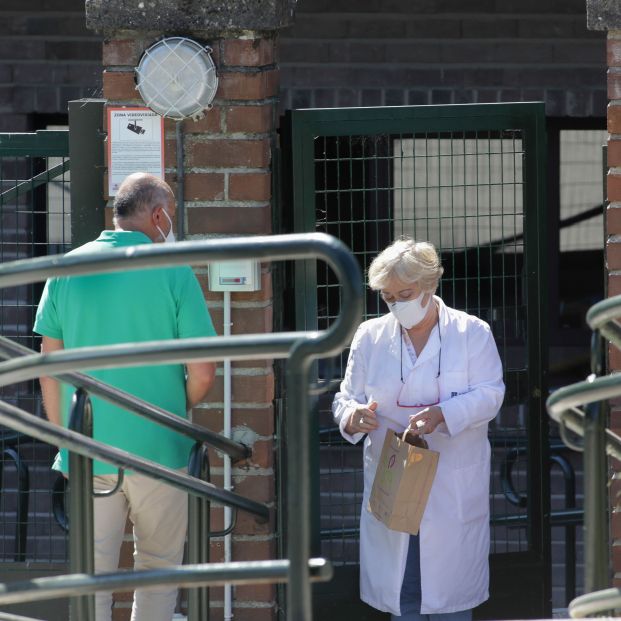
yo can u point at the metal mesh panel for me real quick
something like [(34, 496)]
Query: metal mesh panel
[(34, 221), (464, 192)]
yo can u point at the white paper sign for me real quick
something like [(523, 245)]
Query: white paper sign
[(135, 144)]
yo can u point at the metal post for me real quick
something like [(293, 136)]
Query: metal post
[(596, 500), (86, 152), (198, 532), (81, 534), (595, 486), (299, 604)]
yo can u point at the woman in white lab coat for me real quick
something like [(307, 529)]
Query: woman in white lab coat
[(437, 369)]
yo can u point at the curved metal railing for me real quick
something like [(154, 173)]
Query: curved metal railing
[(236, 450), (300, 348), (580, 410), (593, 604)]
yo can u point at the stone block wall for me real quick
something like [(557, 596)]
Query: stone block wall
[(396, 52), (340, 53), (47, 57)]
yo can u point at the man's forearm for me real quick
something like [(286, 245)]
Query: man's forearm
[(50, 390), (200, 378)]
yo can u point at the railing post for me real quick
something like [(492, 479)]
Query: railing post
[(595, 485), (81, 533), (299, 603), (198, 532)]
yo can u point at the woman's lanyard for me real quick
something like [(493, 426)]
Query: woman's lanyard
[(418, 405)]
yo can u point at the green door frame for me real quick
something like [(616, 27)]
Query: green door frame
[(301, 128)]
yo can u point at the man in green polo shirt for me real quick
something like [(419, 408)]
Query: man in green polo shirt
[(123, 307)]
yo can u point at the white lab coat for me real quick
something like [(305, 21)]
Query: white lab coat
[(454, 533)]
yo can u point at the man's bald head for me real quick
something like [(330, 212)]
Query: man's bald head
[(139, 194)]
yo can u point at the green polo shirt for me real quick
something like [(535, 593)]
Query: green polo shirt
[(128, 307)]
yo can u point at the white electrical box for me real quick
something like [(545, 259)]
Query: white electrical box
[(243, 275)]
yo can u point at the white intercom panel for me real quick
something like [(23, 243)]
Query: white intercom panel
[(242, 275)]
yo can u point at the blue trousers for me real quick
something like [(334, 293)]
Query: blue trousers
[(414, 615), (411, 594)]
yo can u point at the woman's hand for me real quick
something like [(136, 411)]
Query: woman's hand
[(362, 419), (431, 417)]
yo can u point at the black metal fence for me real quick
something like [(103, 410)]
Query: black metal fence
[(34, 221), (469, 179)]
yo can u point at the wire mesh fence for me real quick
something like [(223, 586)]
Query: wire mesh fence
[(34, 221), (463, 191)]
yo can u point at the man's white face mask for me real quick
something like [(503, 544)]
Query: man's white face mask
[(170, 238), (410, 313)]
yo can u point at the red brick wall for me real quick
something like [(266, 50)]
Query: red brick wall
[(227, 192), (613, 252)]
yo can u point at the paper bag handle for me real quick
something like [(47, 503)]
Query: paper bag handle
[(419, 423)]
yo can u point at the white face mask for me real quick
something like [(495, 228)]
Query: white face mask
[(410, 313), (170, 238)]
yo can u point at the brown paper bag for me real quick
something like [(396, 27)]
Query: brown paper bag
[(402, 483)]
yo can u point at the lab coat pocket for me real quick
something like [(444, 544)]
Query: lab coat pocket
[(472, 491)]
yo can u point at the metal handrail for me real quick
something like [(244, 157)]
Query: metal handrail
[(7, 616), (595, 603), (300, 348), (579, 409), (236, 450), (213, 574), (603, 317), (564, 406), (199, 523), (81, 507), (241, 347), (29, 424)]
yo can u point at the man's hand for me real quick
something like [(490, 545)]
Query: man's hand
[(50, 388)]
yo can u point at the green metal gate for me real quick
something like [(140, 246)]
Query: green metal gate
[(469, 178), (34, 221)]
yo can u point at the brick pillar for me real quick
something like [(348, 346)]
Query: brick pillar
[(605, 15), (613, 252), (227, 192)]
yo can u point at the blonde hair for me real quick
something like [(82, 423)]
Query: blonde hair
[(410, 261)]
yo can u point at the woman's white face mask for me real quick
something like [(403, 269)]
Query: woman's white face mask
[(411, 312)]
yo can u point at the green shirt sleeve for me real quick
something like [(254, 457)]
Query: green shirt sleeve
[(46, 320), (193, 319)]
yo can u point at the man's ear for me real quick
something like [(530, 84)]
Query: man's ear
[(156, 215)]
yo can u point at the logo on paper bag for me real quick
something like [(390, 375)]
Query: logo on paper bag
[(414, 457)]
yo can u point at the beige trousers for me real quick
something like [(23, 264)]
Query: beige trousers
[(159, 514)]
